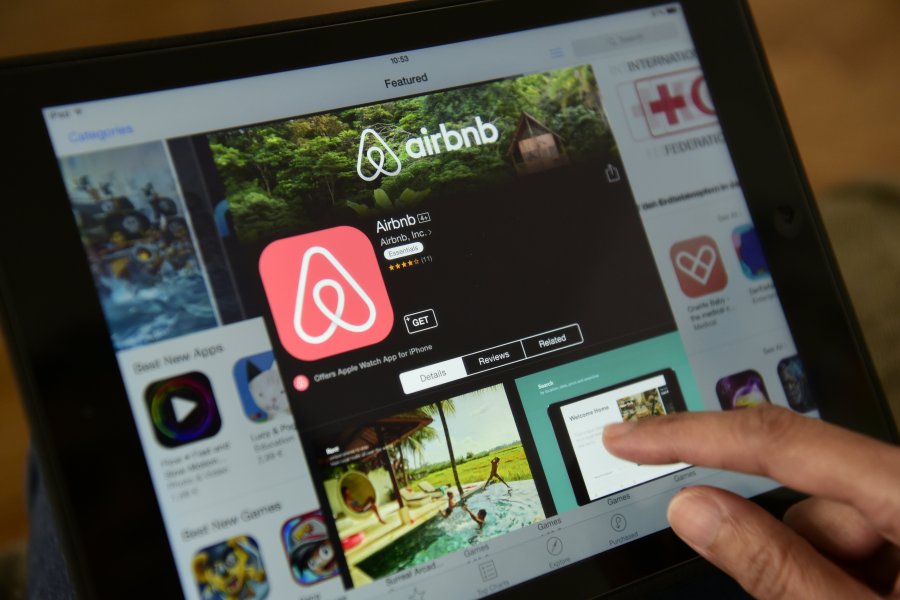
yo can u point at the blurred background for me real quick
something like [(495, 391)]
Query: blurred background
[(835, 66)]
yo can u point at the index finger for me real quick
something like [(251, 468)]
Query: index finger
[(806, 454)]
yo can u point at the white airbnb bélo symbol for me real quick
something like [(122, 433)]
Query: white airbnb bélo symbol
[(334, 316), (376, 155)]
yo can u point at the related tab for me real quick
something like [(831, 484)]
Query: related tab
[(492, 358), (552, 341)]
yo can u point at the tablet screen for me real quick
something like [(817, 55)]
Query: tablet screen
[(372, 316)]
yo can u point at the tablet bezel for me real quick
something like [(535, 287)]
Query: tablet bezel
[(82, 427)]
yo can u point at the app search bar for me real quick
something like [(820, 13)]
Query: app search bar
[(625, 40)]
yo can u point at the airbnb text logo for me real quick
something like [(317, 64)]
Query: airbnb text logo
[(375, 157), (325, 292)]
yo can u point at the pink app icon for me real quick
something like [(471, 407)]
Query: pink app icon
[(326, 293)]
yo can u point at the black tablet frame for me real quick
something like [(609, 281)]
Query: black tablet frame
[(82, 427)]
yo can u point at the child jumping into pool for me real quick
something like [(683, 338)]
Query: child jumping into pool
[(479, 518), (494, 473), (367, 505), (451, 504)]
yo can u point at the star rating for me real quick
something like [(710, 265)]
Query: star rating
[(405, 264)]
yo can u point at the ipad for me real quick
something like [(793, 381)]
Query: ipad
[(339, 308)]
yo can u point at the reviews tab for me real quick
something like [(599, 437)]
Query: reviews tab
[(494, 357)]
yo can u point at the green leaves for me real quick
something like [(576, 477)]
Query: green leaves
[(304, 171), (382, 200), (407, 199)]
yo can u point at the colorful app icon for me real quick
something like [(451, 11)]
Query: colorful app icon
[(796, 385), (698, 266), (326, 293), (182, 409), (231, 569), (309, 551), (260, 387), (749, 252), (741, 390)]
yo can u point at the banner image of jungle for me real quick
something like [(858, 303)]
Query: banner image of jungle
[(300, 174)]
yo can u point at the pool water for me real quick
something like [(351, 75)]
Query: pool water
[(507, 510)]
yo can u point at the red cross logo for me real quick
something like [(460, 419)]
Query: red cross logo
[(667, 104)]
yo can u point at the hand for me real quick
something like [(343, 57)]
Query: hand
[(842, 542)]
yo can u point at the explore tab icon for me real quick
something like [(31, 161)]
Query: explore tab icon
[(326, 292)]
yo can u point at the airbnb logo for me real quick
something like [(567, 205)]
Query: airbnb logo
[(380, 159), (326, 293), (375, 157)]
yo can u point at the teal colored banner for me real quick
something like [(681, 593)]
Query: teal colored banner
[(539, 390)]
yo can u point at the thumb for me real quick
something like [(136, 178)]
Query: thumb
[(762, 554)]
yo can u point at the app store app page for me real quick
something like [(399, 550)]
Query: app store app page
[(371, 335)]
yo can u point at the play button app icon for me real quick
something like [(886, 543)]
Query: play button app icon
[(182, 409)]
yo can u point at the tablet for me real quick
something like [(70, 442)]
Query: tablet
[(339, 308)]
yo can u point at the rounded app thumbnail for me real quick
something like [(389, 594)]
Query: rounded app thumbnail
[(182, 409), (311, 556), (698, 266), (749, 252), (325, 292), (230, 570), (741, 390), (259, 385)]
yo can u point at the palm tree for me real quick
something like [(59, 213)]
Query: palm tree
[(444, 407), (414, 445)]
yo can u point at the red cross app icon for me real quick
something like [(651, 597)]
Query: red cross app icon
[(667, 104)]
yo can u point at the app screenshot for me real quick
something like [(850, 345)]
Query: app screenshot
[(326, 292), (182, 409)]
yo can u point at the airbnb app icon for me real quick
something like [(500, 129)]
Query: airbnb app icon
[(326, 293)]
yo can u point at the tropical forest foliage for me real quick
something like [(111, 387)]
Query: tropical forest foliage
[(291, 174)]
